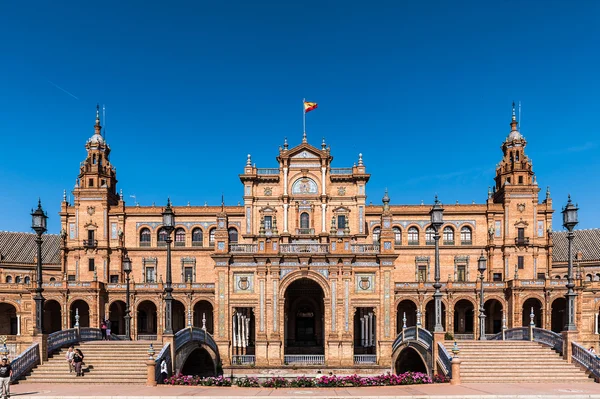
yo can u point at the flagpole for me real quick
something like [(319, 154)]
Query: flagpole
[(303, 116)]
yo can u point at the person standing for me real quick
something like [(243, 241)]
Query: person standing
[(164, 371), (69, 358), (108, 324), (5, 376), (103, 330), (77, 361)]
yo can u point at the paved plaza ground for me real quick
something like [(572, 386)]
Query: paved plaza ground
[(439, 391)]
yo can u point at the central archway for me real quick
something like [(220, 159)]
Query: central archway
[(304, 318), (52, 317)]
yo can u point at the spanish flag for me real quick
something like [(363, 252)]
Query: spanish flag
[(309, 106)]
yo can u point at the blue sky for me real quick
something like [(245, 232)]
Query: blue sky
[(423, 89)]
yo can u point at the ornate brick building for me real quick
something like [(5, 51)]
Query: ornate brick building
[(305, 266)]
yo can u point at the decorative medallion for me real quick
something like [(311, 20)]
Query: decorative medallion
[(304, 185), (364, 283), (91, 210), (243, 283), (521, 207), (268, 191), (341, 191)]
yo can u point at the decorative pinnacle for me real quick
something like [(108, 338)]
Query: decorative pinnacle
[(386, 197), (514, 116), (168, 202), (323, 145), (249, 161), (64, 195), (436, 200), (360, 160), (304, 137), (97, 114), (285, 143)]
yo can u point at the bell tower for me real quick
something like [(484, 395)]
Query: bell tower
[(96, 174), (514, 173)]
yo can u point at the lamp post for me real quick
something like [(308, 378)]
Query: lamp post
[(481, 267), (38, 224), (569, 213), (169, 225), (127, 270), (437, 213)]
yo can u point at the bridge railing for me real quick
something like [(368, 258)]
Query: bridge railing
[(27, 360), (543, 336), (165, 354), (58, 339), (445, 360), (414, 333), (512, 334), (195, 334), (588, 360)]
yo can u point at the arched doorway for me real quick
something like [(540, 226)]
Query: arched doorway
[(8, 319), (199, 363), (537, 311), (82, 308), (116, 316), (430, 315), (178, 316), (493, 316), (146, 318), (408, 308), (304, 316), (463, 317), (52, 316), (409, 360), (559, 315), (204, 309)]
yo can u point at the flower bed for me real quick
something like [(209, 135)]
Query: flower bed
[(325, 381)]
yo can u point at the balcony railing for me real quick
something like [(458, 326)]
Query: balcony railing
[(305, 232), (242, 248), (413, 242), (522, 241), (303, 248), (145, 243), (242, 359), (340, 171), (430, 242), (365, 248), (180, 243), (450, 242), (466, 242), (304, 359), (90, 243), (365, 359), (267, 171), (196, 243)]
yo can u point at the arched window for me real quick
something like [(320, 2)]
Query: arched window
[(197, 237), (211, 236), (18, 279), (429, 234), (233, 235), (304, 220), (162, 237), (376, 235), (397, 236), (27, 280), (466, 236), (448, 235), (145, 237), (9, 279), (413, 236), (180, 237)]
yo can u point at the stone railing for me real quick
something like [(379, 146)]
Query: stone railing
[(243, 248), (165, 354), (365, 248), (303, 248), (587, 360), (90, 334), (305, 231), (62, 338), (267, 171), (147, 337), (512, 334), (414, 333), (195, 334), (25, 361), (550, 338), (340, 171), (365, 359), (304, 359), (240, 360), (445, 360)]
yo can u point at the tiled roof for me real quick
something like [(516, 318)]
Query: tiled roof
[(20, 248), (585, 241)]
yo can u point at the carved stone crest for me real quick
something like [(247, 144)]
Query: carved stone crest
[(91, 210), (365, 283), (268, 191), (243, 283), (521, 207), (341, 191)]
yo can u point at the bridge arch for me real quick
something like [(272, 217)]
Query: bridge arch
[(196, 358), (412, 356)]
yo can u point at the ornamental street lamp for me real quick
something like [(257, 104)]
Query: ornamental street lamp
[(168, 225), (38, 224), (481, 267), (437, 214), (127, 270), (569, 213)]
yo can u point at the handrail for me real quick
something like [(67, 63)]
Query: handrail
[(445, 360), (550, 338), (196, 334), (90, 334), (421, 335), (588, 360), (27, 360), (512, 334), (165, 354), (340, 171), (267, 171), (61, 338)]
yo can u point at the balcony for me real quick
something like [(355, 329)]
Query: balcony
[(267, 171), (449, 242), (180, 243), (197, 243), (304, 248), (466, 242), (521, 241), (365, 359), (340, 171), (305, 232), (411, 242), (90, 243), (243, 248), (365, 248), (144, 243)]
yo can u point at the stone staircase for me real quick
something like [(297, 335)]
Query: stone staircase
[(106, 362), (513, 361)]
